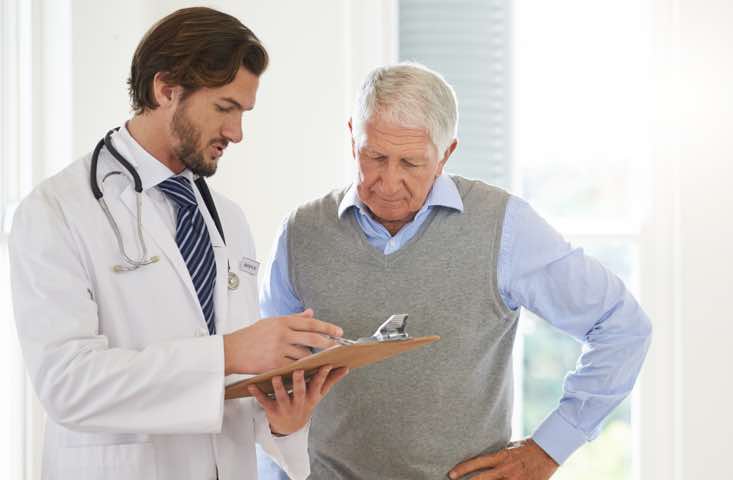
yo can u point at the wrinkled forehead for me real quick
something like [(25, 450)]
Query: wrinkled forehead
[(384, 132)]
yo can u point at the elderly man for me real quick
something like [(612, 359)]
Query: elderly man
[(461, 257)]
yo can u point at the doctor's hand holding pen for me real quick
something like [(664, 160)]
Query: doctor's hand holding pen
[(277, 342)]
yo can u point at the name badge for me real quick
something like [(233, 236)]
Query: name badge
[(247, 265)]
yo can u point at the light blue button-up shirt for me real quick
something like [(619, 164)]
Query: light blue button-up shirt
[(537, 270)]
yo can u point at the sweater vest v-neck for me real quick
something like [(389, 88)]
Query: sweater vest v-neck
[(419, 414)]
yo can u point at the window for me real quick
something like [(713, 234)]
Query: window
[(551, 105), (468, 42)]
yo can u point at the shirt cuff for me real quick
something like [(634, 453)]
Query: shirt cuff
[(558, 438)]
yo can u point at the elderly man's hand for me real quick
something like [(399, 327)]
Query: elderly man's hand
[(522, 460)]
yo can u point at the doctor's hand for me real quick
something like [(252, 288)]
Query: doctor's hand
[(288, 413), (276, 342), (522, 460)]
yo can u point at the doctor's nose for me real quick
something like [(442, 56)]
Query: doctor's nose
[(233, 132)]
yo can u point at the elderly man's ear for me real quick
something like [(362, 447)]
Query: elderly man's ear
[(448, 152), (353, 143), (451, 148)]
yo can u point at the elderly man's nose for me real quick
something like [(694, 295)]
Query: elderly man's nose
[(391, 182)]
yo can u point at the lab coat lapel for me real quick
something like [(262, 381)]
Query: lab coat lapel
[(154, 227)]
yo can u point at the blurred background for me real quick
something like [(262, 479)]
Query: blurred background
[(611, 118)]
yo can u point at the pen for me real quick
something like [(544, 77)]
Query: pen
[(339, 340)]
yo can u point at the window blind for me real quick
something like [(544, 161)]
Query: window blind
[(468, 42)]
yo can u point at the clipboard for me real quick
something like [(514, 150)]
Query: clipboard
[(352, 356)]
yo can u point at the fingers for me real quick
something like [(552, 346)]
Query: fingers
[(308, 339), (288, 413), (308, 324), (316, 384), (497, 474), (478, 463), (333, 379), (322, 382), (281, 395), (299, 390), (296, 352), (266, 403)]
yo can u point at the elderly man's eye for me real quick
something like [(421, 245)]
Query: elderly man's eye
[(408, 163)]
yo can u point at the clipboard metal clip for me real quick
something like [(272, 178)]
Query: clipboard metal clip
[(393, 329)]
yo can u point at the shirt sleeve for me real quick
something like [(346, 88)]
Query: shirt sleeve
[(539, 270), (277, 296)]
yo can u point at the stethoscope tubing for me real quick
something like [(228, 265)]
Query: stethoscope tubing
[(134, 264)]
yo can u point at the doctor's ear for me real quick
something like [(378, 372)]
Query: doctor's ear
[(165, 93)]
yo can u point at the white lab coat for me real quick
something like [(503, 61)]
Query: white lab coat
[(122, 362)]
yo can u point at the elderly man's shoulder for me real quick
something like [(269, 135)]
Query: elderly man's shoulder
[(469, 188)]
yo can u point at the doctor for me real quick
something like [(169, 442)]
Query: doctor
[(132, 309)]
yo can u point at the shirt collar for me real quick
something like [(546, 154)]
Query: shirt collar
[(151, 170), (443, 193)]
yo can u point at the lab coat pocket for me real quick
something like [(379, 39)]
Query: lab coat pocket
[(109, 462)]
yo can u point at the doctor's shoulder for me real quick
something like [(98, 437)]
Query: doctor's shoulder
[(50, 210), (56, 195)]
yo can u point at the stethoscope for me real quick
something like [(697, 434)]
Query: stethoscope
[(131, 263)]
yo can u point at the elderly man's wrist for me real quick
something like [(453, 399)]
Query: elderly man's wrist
[(558, 438)]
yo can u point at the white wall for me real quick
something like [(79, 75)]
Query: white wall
[(686, 418), (706, 219)]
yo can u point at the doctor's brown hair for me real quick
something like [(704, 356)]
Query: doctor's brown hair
[(194, 48)]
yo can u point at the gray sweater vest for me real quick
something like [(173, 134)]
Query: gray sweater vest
[(417, 415)]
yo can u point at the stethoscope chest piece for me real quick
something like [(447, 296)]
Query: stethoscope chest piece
[(232, 281)]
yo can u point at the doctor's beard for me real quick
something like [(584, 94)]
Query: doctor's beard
[(189, 138)]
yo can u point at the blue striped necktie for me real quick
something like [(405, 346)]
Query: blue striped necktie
[(193, 241)]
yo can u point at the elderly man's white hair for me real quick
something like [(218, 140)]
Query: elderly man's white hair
[(412, 96)]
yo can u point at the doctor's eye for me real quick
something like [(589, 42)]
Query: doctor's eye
[(221, 109)]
